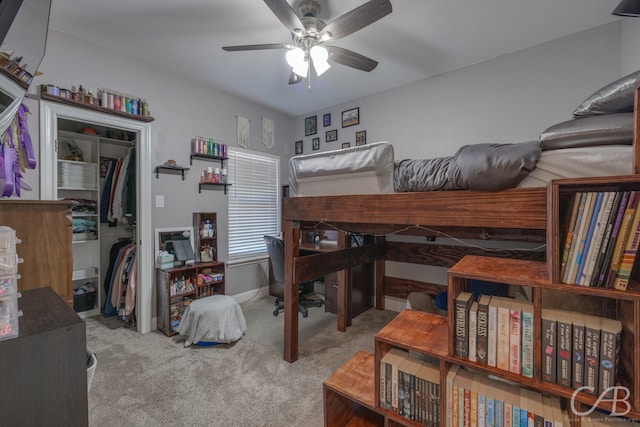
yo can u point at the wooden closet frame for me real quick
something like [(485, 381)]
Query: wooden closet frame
[(518, 214)]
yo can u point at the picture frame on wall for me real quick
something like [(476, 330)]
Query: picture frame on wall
[(351, 117), (331, 135), (361, 137), (315, 144), (326, 120), (311, 125), (298, 146), (346, 144)]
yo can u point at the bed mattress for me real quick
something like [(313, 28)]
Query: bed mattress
[(364, 169), (609, 160), (369, 169)]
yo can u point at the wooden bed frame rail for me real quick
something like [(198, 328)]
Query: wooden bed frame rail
[(518, 214)]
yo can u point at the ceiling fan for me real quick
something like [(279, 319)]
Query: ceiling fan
[(309, 34)]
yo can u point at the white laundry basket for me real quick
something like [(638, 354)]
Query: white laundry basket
[(92, 362)]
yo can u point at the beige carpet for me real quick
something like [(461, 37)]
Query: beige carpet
[(152, 380)]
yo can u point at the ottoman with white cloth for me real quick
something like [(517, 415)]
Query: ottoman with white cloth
[(217, 318)]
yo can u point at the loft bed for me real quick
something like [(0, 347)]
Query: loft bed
[(509, 215)]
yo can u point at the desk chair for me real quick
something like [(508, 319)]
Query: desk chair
[(275, 247)]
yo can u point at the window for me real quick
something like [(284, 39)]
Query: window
[(253, 202)]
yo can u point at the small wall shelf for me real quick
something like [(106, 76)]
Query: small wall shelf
[(207, 157), (165, 169), (212, 185)]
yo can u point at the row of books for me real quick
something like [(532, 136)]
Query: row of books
[(495, 331), (601, 241), (410, 387), (580, 350), (473, 399)]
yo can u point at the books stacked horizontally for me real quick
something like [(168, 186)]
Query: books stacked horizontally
[(473, 399), (495, 331), (601, 241), (579, 350), (410, 387)]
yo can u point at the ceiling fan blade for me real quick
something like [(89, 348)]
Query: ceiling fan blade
[(356, 19), (258, 47), (294, 78), (350, 59), (286, 15)]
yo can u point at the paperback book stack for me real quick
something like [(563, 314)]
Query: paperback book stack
[(495, 331), (579, 350), (473, 399), (410, 387), (601, 241)]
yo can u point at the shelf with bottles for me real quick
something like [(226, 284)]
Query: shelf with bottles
[(205, 225), (80, 99)]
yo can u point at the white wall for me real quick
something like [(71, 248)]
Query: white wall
[(511, 98), (630, 45)]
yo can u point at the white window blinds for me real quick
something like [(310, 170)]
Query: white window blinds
[(253, 202)]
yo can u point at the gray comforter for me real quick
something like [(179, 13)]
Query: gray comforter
[(485, 167)]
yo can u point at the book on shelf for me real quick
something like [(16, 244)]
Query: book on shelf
[(498, 403), (574, 261), (406, 393), (515, 337), (538, 409), (563, 343), (393, 359), (449, 382), (473, 330), (482, 412), (475, 385), (492, 331), (548, 343), (628, 255), (464, 380), (610, 331), (598, 236), (592, 326), (607, 229), (571, 223), (547, 411), (621, 240), (611, 241), (528, 339), (428, 377), (503, 332), (482, 328), (577, 352), (462, 304), (573, 237), (583, 257)]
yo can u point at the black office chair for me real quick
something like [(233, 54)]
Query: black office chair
[(275, 246)]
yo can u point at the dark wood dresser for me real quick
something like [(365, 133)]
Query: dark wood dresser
[(44, 369)]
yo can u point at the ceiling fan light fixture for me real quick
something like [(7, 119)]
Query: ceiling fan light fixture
[(319, 56), (295, 57), (627, 8)]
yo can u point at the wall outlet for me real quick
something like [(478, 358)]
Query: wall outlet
[(159, 201)]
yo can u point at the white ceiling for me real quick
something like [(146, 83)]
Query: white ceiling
[(419, 39)]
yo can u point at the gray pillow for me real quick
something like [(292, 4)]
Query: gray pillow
[(616, 97), (491, 167), (608, 129)]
